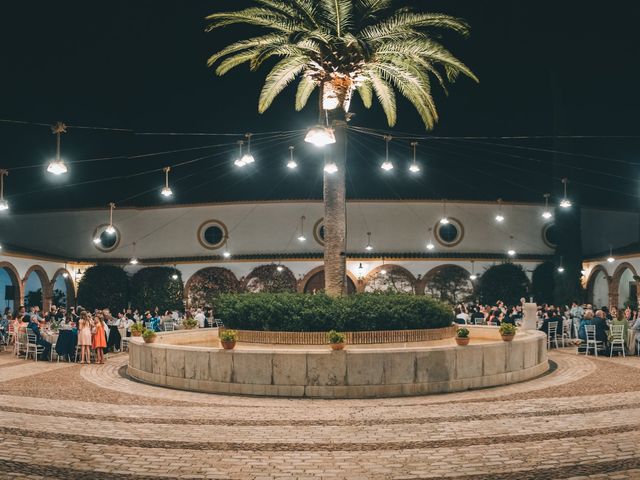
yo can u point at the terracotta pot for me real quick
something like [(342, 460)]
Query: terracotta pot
[(189, 327), (136, 334), (337, 346), (508, 338), (228, 345), (462, 341), (150, 339)]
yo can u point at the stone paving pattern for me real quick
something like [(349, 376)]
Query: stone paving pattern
[(65, 421)]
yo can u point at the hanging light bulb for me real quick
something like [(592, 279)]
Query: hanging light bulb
[(511, 252), (565, 203), (301, 237), (330, 167), (4, 205), (473, 277), (499, 216), (226, 253), (239, 162), (546, 213), (383, 270), (111, 230), (166, 191), (65, 273), (611, 258), (369, 247), (320, 135), (174, 276), (387, 165), (444, 220), (97, 241), (280, 268), (247, 158), (134, 260), (291, 164), (414, 167), (57, 165), (430, 245), (561, 266)]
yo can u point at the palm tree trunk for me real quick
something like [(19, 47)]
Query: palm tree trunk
[(335, 217)]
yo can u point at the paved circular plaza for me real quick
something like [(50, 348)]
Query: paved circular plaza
[(67, 421)]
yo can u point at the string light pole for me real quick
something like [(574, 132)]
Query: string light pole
[(4, 204), (57, 165)]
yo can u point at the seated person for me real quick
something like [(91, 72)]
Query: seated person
[(34, 327), (602, 328), (552, 316), (621, 320), (587, 319)]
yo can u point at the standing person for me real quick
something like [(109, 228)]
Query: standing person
[(98, 339), (84, 337), (200, 318)]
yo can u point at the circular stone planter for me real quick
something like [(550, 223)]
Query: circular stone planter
[(194, 360), (462, 341), (337, 346)]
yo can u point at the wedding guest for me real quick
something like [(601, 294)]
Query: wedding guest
[(84, 337), (34, 327), (98, 339)]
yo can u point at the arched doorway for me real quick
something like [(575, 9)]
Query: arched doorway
[(205, 284), (62, 289), (449, 283), (390, 278), (10, 295), (313, 282), (623, 290), (598, 287), (36, 288)]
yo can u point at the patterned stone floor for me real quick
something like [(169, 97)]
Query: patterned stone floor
[(64, 421)]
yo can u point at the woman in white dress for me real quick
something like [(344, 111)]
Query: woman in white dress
[(84, 337)]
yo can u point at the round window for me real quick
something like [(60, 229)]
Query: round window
[(212, 234), (318, 231), (550, 235), (105, 241), (449, 234)]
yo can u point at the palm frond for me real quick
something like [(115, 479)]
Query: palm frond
[(257, 16), (282, 74), (305, 89), (365, 91), (234, 61), (256, 42), (338, 14), (405, 21), (386, 96)]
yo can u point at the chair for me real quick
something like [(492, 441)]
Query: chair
[(11, 338), (53, 351), (575, 322), (21, 343), (32, 347), (169, 326), (478, 321), (566, 331), (219, 322), (617, 339), (591, 339), (552, 334)]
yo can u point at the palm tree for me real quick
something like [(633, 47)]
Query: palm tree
[(342, 47)]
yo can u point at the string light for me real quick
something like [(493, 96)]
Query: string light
[(511, 252), (561, 267), (4, 205), (383, 271), (226, 253), (499, 216), (65, 273), (414, 168), (174, 276), (430, 245), (611, 258), (240, 161), (330, 167), (166, 191), (369, 247), (57, 165), (247, 158), (565, 203), (387, 165), (546, 213), (134, 260), (473, 277), (280, 268), (319, 135), (291, 164), (301, 237), (444, 220), (111, 230)]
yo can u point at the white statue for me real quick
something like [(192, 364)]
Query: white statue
[(529, 315)]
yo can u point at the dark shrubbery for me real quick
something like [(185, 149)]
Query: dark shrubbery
[(154, 287), (104, 286), (317, 313)]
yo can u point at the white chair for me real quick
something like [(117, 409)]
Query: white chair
[(219, 322), (169, 326), (590, 330), (566, 331), (32, 347), (617, 339), (552, 334), (478, 321), (21, 343), (53, 351), (575, 323)]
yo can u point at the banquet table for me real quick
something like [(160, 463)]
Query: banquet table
[(65, 341), (115, 339)]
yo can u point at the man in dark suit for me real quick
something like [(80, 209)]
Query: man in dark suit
[(601, 327), (34, 327)]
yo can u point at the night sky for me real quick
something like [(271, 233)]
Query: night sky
[(547, 68)]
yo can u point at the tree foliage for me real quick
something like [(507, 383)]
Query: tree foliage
[(207, 284), (450, 283), (366, 46), (104, 286), (507, 282), (154, 287), (543, 283), (268, 279)]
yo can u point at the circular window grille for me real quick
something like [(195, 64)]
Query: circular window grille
[(108, 242), (212, 234), (550, 235), (318, 231), (449, 234)]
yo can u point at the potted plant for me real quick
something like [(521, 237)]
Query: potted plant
[(507, 331), (462, 336), (137, 329), (189, 323), (228, 339), (337, 340), (149, 336)]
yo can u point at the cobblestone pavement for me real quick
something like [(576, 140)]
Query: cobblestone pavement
[(65, 421)]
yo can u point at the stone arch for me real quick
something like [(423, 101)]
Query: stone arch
[(14, 276), (314, 281), (458, 289), (47, 292), (616, 296), (267, 278), (397, 278), (71, 289), (597, 272), (209, 281)]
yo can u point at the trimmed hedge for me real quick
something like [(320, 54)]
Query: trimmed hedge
[(318, 313)]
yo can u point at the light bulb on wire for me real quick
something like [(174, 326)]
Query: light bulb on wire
[(291, 164), (414, 167), (166, 191), (226, 253), (330, 167), (111, 230), (473, 277), (546, 213), (561, 266), (4, 205), (387, 165), (611, 258), (444, 220), (369, 247), (511, 252), (247, 158), (57, 165), (430, 245), (565, 203), (301, 237), (319, 135), (239, 162), (499, 215), (134, 260)]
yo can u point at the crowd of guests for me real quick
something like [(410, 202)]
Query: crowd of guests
[(570, 320)]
